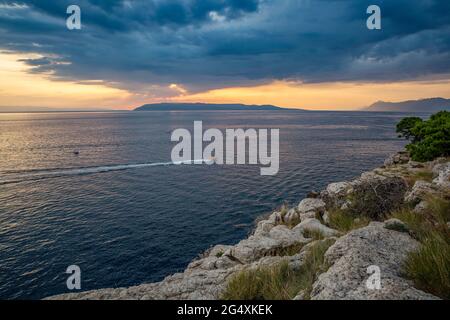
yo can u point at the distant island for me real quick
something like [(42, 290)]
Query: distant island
[(424, 105), (204, 107)]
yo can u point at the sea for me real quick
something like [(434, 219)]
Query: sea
[(98, 190)]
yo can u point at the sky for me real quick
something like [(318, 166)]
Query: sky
[(312, 54)]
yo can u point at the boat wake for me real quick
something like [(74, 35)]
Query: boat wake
[(30, 175)]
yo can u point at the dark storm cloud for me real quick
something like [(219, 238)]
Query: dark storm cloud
[(204, 44)]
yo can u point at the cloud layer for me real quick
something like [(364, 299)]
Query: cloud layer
[(147, 45)]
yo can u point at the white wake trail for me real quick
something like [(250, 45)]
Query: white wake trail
[(52, 173)]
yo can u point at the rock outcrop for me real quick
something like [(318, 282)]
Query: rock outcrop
[(420, 191), (374, 193), (441, 173), (352, 255), (397, 158), (314, 225)]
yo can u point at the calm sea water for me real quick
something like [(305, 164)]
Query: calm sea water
[(126, 227)]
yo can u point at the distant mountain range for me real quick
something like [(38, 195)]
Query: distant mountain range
[(203, 106), (424, 105)]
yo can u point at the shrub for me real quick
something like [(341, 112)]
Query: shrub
[(375, 199), (279, 282), (429, 139)]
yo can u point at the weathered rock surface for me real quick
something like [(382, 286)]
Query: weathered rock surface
[(397, 158), (264, 226), (300, 296), (442, 175), (339, 188), (353, 253), (310, 208), (286, 236), (335, 195), (311, 204), (255, 247), (420, 191), (314, 225)]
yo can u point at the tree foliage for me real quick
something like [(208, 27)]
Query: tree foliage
[(404, 127), (429, 139)]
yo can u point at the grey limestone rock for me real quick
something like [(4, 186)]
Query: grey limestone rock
[(351, 256)]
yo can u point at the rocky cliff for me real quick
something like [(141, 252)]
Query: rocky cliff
[(370, 238)]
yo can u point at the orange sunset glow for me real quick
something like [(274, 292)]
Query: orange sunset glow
[(20, 87)]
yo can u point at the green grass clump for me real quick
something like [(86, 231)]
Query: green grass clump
[(418, 225), (278, 282), (429, 267), (344, 221), (274, 283), (434, 219)]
